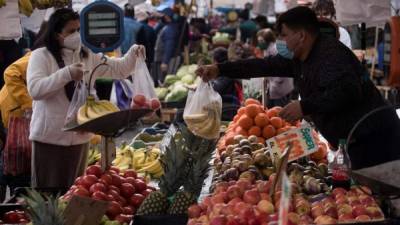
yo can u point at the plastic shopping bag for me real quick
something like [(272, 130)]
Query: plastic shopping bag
[(121, 93), (144, 94), (203, 111), (78, 99)]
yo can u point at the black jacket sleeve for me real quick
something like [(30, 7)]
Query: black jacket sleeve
[(273, 66)]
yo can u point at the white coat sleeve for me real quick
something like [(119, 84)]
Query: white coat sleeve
[(41, 83), (118, 68)]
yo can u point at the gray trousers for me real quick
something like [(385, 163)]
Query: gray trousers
[(55, 166)]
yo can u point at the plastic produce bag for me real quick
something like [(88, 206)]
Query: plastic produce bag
[(144, 94), (203, 111), (121, 93), (78, 99)]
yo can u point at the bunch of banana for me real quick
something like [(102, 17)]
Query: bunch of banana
[(206, 124), (94, 155), (2, 3), (25, 7), (93, 109), (142, 160)]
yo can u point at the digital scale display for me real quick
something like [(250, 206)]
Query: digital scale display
[(102, 26)]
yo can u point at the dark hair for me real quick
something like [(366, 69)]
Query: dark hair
[(244, 14), (39, 38), (297, 18), (55, 25), (324, 5), (220, 55), (129, 10)]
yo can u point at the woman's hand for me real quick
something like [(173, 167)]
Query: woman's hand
[(139, 50), (76, 71)]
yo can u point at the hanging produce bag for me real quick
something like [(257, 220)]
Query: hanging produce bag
[(144, 94), (18, 149), (203, 111), (121, 93), (78, 99)]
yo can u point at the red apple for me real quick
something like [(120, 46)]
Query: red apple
[(247, 213), (98, 187), (346, 218), (99, 195), (116, 180), (363, 218), (89, 180), (324, 219), (331, 211), (130, 173), (140, 185), (344, 209), (366, 200), (241, 206), (235, 201), (243, 184), (263, 187), (251, 197), (355, 202), (359, 210), (219, 198), (81, 191), (234, 192), (293, 218), (303, 207), (231, 220), (139, 100), (127, 190), (155, 104), (316, 211), (228, 210), (273, 217), (114, 209), (194, 211), (305, 220), (136, 200), (129, 210), (94, 170), (341, 200), (106, 179), (265, 206), (374, 212), (338, 190)]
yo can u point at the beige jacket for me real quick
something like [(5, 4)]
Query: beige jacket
[(46, 86)]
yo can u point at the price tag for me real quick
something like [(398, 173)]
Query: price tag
[(285, 200), (302, 139), (84, 211)]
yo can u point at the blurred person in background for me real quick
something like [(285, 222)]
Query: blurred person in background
[(147, 37), (132, 28)]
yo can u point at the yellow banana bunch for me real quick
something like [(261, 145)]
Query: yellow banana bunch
[(25, 7), (93, 109), (93, 156), (206, 124), (2, 3)]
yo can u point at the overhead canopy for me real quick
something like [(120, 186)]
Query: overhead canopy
[(371, 12)]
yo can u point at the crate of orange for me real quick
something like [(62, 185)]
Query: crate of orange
[(255, 119)]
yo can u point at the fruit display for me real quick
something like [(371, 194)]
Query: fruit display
[(93, 109), (175, 87), (254, 119), (15, 217), (141, 102), (206, 123), (144, 160), (185, 164), (125, 192)]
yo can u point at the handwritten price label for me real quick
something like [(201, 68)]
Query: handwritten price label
[(302, 140)]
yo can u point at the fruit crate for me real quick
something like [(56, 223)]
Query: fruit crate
[(160, 220)]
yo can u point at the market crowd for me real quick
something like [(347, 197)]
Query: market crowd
[(289, 58)]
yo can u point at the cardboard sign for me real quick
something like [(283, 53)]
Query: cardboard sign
[(302, 139), (285, 200), (84, 211)]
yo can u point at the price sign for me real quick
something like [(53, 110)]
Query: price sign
[(102, 24)]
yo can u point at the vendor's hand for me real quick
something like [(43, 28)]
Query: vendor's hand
[(164, 67), (139, 50), (292, 112), (76, 71), (208, 72)]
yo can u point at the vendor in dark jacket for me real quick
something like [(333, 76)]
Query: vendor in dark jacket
[(335, 90)]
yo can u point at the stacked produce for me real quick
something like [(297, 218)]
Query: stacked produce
[(125, 192), (175, 87), (93, 109), (141, 102), (145, 161)]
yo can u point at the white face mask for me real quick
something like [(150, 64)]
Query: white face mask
[(73, 41)]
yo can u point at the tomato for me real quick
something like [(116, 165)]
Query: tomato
[(98, 187), (94, 170), (140, 185), (129, 210), (130, 173), (98, 195), (116, 180), (81, 191), (112, 187), (106, 179), (114, 209), (89, 180), (130, 180), (136, 200), (127, 190)]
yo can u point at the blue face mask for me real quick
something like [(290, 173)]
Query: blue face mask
[(283, 50)]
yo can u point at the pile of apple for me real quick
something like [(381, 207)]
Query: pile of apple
[(141, 102), (15, 217), (355, 205), (124, 192)]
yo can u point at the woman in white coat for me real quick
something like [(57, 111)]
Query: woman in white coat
[(58, 157)]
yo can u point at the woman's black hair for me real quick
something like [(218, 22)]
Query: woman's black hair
[(39, 42), (55, 25)]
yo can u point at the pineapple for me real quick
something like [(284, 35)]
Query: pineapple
[(197, 170), (44, 210), (172, 161)]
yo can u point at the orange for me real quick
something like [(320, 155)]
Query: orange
[(241, 111), (278, 109), (252, 110), (261, 140), (245, 122), (241, 131), (254, 130), (272, 113), (251, 101), (276, 122), (269, 131), (261, 120)]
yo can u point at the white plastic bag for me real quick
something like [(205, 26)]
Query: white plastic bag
[(144, 94), (78, 99), (203, 111)]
